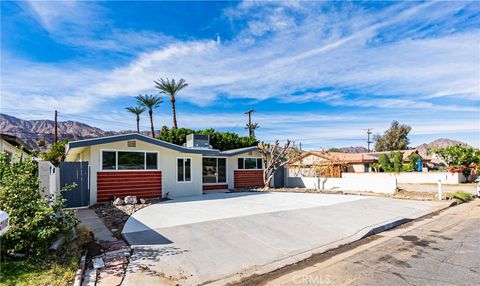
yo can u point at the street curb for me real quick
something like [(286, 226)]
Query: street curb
[(362, 233)]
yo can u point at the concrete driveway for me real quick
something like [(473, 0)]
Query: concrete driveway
[(218, 238)]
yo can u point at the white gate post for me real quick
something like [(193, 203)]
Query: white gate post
[(439, 182)]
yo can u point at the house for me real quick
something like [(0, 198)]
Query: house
[(15, 148), (134, 164), (332, 164)]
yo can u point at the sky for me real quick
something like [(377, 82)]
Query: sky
[(316, 72)]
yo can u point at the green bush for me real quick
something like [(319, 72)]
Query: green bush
[(413, 161), (219, 140), (397, 161), (35, 221), (385, 163), (462, 196), (56, 153)]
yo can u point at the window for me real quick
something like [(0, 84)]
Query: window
[(9, 156), (214, 170), (366, 167), (249, 163), (129, 160), (151, 159), (184, 170), (109, 160)]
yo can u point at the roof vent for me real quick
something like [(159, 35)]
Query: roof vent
[(131, 143), (198, 141)]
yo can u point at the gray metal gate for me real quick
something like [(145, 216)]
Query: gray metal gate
[(75, 172), (279, 178)]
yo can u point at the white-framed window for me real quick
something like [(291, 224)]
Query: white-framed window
[(184, 170), (250, 163), (119, 160), (214, 170)]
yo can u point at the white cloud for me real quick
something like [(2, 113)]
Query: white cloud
[(354, 56)]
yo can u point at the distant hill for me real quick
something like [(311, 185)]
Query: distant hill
[(351, 149), (422, 149), (441, 142), (30, 131)]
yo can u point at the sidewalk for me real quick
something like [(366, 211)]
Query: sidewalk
[(89, 218)]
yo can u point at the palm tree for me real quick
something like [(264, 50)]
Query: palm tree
[(137, 111), (171, 88), (251, 128), (150, 102)]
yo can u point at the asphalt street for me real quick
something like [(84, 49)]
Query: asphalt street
[(442, 250)]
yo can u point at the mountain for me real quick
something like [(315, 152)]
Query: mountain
[(30, 131), (441, 142), (351, 149)]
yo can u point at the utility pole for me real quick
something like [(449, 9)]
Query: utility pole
[(250, 130), (369, 132), (55, 132)]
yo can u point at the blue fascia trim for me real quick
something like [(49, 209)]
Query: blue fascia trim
[(136, 136)]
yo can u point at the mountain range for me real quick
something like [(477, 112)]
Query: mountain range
[(31, 131)]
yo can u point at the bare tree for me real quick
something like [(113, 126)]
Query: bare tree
[(274, 157)]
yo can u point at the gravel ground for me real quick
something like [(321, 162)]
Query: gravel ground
[(114, 217)]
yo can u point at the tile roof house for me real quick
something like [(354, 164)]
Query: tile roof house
[(345, 162)]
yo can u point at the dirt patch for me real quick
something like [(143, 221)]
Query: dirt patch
[(115, 217)]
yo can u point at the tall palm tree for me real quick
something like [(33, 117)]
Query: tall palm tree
[(150, 102), (251, 128), (137, 111), (171, 88)]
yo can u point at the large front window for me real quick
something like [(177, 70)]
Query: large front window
[(129, 160), (214, 170), (249, 163)]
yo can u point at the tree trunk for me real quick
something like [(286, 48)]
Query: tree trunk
[(151, 122), (267, 178), (138, 123), (172, 99), (267, 183)]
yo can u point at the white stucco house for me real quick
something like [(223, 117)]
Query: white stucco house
[(15, 148), (134, 164)]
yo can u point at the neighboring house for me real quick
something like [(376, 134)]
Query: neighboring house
[(332, 164), (134, 164), (15, 148)]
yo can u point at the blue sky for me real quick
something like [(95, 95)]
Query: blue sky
[(315, 72)]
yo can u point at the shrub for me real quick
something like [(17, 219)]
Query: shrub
[(462, 196), (219, 140), (397, 161), (385, 163), (56, 153), (34, 220), (413, 161)]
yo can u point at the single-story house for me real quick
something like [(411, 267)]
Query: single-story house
[(332, 164), (15, 148), (134, 164)]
